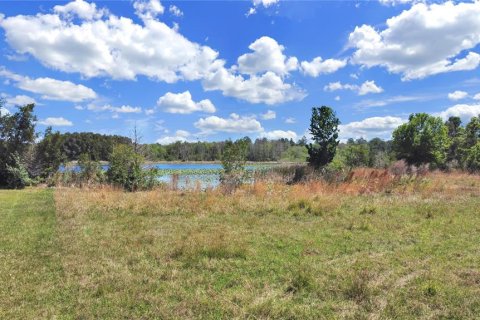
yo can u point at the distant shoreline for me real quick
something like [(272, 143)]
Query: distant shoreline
[(73, 163)]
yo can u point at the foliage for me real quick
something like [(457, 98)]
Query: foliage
[(90, 170), (324, 131), (49, 154), (295, 154), (125, 169), (472, 161), (233, 162), (17, 134), (424, 139)]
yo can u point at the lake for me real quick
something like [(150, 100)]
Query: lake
[(187, 175)]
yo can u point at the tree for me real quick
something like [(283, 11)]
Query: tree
[(456, 134), (423, 139), (324, 131), (125, 168), (49, 155), (17, 134), (233, 162), (472, 159)]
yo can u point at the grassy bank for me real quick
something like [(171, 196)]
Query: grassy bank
[(361, 250)]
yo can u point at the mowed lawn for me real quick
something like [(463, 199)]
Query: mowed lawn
[(266, 252)]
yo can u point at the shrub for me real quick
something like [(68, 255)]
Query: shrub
[(126, 170), (472, 161), (90, 170), (233, 162), (16, 175)]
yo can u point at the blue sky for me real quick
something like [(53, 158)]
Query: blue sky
[(211, 70)]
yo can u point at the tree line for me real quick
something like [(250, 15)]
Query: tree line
[(424, 139)]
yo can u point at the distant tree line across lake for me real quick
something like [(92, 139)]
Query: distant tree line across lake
[(424, 139)]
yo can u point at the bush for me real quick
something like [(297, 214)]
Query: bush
[(16, 174), (233, 162), (90, 170), (472, 161), (126, 170)]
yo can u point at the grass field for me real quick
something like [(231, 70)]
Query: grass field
[(269, 251)]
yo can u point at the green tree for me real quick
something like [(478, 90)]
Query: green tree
[(17, 134), (324, 131), (125, 168), (423, 139), (456, 135), (49, 155), (356, 155), (472, 159), (234, 159)]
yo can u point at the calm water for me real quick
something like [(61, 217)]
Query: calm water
[(185, 181)]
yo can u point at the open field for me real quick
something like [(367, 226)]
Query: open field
[(365, 249)]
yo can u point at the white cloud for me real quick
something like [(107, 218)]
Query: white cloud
[(365, 88), (269, 115), (477, 96), (81, 9), (56, 122), (369, 128), (457, 95), (19, 100), (464, 111), (107, 107), (391, 100), (182, 103), (279, 134), (147, 9), (409, 45), (4, 111), (233, 124), (51, 89), (109, 45), (265, 3), (268, 88), (180, 135), (267, 55), (103, 44), (290, 120), (337, 98), (395, 2), (175, 11), (318, 66)]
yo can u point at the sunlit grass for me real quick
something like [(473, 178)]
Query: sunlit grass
[(372, 248)]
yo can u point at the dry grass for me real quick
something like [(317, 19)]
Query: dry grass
[(375, 247)]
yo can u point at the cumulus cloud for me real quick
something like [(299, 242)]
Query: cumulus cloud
[(290, 120), (233, 124), (369, 128), (319, 66), (56, 122), (100, 43), (109, 45), (182, 103), (268, 88), (477, 96), (279, 134), (457, 95), (269, 115), (175, 11), (363, 89), (51, 89), (107, 107), (267, 55), (180, 135), (464, 111), (409, 44), (19, 100), (147, 9)]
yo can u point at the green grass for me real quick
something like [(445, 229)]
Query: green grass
[(30, 261), (278, 254)]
